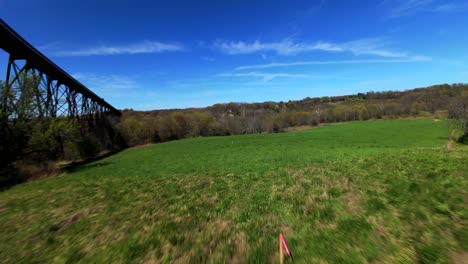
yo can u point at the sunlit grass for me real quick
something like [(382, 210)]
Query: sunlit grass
[(381, 191)]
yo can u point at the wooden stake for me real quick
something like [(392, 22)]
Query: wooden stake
[(281, 250)]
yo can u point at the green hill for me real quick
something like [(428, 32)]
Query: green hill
[(382, 191)]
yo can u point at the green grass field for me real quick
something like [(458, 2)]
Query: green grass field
[(376, 191)]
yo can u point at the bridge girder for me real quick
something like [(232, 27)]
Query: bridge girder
[(50, 91)]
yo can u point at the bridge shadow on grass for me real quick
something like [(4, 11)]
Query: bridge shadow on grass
[(89, 163), (7, 181), (10, 176), (84, 167)]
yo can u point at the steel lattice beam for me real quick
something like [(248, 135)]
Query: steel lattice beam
[(48, 91)]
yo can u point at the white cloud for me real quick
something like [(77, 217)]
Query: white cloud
[(371, 46), (400, 8), (108, 85), (285, 47), (300, 63), (368, 46), (137, 48), (266, 76)]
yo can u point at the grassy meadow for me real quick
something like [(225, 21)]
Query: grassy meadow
[(382, 191)]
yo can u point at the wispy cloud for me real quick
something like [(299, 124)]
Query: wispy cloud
[(446, 7), (406, 7), (285, 47), (207, 59), (371, 46), (450, 7), (400, 8), (136, 48), (108, 85), (301, 63), (48, 46), (266, 76), (367, 46)]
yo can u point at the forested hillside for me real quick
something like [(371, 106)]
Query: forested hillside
[(140, 127)]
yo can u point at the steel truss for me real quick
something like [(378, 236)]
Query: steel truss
[(35, 87), (36, 90), (31, 94)]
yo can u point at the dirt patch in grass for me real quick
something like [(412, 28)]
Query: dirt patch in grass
[(450, 145), (451, 140), (286, 230), (57, 228), (240, 249), (308, 207), (299, 128), (166, 249), (460, 258), (144, 145), (352, 202), (218, 225)]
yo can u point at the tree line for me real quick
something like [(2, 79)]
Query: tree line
[(142, 127), (31, 143)]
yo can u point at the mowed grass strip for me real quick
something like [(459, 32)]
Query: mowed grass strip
[(375, 191)]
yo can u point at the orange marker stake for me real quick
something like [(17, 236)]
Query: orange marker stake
[(285, 246)]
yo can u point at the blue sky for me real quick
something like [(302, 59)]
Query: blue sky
[(175, 54)]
